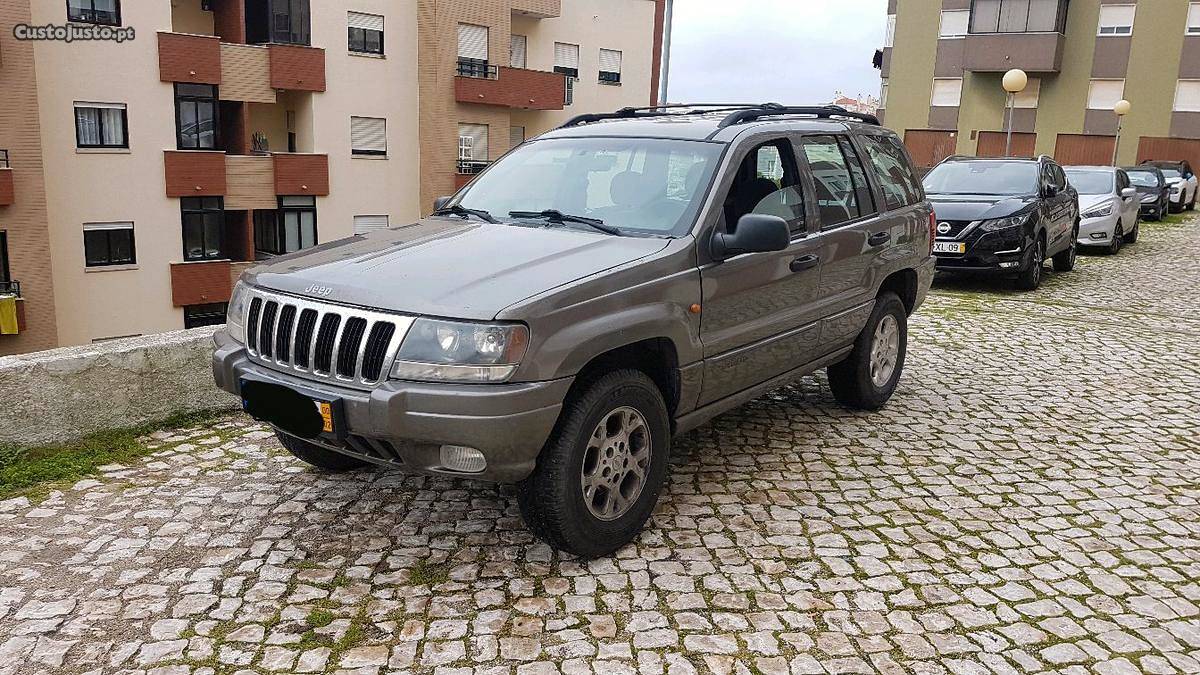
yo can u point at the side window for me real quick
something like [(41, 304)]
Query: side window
[(837, 199), (892, 168), (862, 189), (1122, 180), (767, 183), (1060, 178)]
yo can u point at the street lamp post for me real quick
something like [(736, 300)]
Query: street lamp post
[(1014, 83), (1122, 109)]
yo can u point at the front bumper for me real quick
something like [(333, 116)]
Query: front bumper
[(1152, 209), (1098, 231), (999, 252), (405, 424)]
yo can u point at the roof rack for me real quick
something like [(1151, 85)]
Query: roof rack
[(740, 112), (774, 109)]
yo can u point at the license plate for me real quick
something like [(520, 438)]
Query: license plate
[(949, 247), (326, 411), (288, 409)]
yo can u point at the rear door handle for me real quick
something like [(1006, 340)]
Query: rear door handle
[(806, 262), (879, 238)]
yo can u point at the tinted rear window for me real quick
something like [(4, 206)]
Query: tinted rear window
[(892, 168)]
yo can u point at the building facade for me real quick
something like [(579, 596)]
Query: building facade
[(943, 61), (139, 176)]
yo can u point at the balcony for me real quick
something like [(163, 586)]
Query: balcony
[(297, 68), (300, 174), (1001, 52), (538, 9), (244, 72), (195, 173), (247, 182), (201, 283), (510, 87), (7, 193)]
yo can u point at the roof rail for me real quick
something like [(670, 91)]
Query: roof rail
[(658, 111), (774, 109)]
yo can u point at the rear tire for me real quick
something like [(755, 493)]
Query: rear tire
[(1030, 278), (1064, 261), (867, 378), (599, 475), (317, 456), (1192, 204)]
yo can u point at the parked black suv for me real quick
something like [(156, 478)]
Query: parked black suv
[(1003, 216), (1154, 192)]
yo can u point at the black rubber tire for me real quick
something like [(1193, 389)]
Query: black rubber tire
[(1118, 238), (850, 379), (1030, 278), (1192, 204), (327, 460), (551, 499), (1132, 237), (1064, 261)]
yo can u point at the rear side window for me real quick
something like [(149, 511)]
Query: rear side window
[(900, 185), (837, 198)]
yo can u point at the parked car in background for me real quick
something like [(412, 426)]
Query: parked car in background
[(1003, 217), (1154, 194), (1108, 205), (1183, 182)]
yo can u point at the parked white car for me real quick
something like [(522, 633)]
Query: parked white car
[(1108, 206), (1183, 182)]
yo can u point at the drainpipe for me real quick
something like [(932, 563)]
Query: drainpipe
[(666, 56)]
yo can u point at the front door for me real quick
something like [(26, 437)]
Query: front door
[(759, 309)]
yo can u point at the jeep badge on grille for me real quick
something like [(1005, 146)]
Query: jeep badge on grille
[(318, 290)]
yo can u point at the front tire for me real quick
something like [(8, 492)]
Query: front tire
[(1118, 237), (867, 378), (1030, 278), (599, 475), (317, 456)]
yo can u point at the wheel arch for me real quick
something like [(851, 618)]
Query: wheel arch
[(657, 357), (904, 284)]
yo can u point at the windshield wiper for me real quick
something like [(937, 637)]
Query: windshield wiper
[(556, 216), (460, 210)]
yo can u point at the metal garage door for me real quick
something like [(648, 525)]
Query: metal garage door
[(991, 144), (928, 147), (1084, 150), (1170, 149)]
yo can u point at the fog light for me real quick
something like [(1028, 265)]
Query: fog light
[(463, 459), (1007, 265), (1098, 235)]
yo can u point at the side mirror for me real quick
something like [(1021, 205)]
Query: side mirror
[(1129, 193), (441, 202), (755, 233)]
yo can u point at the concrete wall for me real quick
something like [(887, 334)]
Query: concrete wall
[(61, 394)]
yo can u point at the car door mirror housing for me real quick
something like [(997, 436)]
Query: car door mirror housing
[(1129, 193), (441, 202), (755, 233)]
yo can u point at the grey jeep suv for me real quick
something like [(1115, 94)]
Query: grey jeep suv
[(610, 284)]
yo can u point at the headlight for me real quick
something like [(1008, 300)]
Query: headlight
[(1099, 211), (998, 224), (454, 351), (235, 315)]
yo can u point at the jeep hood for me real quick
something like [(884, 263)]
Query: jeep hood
[(978, 207), (449, 267)]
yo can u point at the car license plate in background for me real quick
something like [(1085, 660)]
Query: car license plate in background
[(326, 411), (949, 247)]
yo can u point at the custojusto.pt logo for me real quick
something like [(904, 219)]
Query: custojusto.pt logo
[(72, 32)]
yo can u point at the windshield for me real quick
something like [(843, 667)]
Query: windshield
[(1171, 173), (983, 178), (1143, 178), (653, 186), (1091, 182)]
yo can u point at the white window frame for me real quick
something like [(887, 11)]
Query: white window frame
[(1193, 95), (367, 21), (1029, 97), (607, 60), (1104, 105), (933, 96), (1192, 26), (889, 32), (1115, 29), (955, 32), (363, 150)]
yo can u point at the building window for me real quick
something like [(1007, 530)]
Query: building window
[(472, 148), (889, 35), (1187, 96), (279, 21), (1018, 16), (1104, 94), (955, 23), (103, 12), (365, 33), (5, 271), (291, 228), (101, 125), (196, 116), (610, 66), (1193, 20), (516, 136), (197, 316), (473, 51), (1116, 19), (1029, 97), (566, 59), (946, 92), (107, 244), (203, 220), (517, 49), (365, 224), (883, 92), (368, 136)]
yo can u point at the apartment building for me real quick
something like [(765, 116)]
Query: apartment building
[(495, 72), (943, 61)]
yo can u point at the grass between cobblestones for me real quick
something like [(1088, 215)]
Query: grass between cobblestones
[(35, 471)]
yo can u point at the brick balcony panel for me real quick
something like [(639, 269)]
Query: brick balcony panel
[(249, 183), (189, 58), (194, 173), (7, 192), (297, 68), (514, 88), (299, 174), (246, 74), (200, 283)]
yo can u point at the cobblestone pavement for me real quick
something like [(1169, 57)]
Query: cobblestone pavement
[(1027, 502)]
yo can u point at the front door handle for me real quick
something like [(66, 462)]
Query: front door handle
[(879, 238), (806, 262)]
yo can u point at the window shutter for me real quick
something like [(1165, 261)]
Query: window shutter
[(1116, 19), (516, 54), (366, 21), (1104, 94), (610, 61), (946, 92), (365, 224), (368, 134), (566, 56), (1187, 96), (954, 23), (472, 42), (1193, 22), (473, 142), (516, 136), (1029, 97)]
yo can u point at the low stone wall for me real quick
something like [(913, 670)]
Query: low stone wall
[(62, 394)]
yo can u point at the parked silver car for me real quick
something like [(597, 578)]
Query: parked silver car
[(1108, 206)]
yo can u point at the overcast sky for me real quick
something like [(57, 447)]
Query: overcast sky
[(787, 51)]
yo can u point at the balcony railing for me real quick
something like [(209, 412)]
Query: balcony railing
[(4, 160), (477, 70), (470, 167), (10, 288)]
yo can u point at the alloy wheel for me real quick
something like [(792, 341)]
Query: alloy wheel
[(616, 463), (885, 351)]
